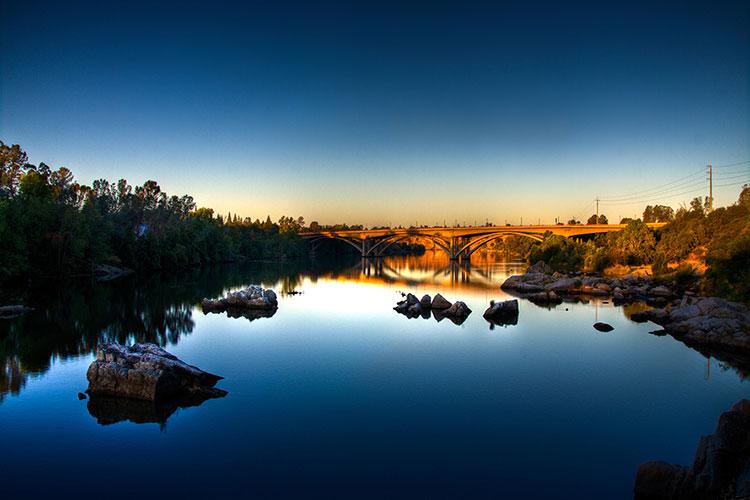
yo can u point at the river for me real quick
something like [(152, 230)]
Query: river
[(337, 395)]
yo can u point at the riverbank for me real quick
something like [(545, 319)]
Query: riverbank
[(706, 323)]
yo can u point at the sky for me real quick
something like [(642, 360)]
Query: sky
[(384, 112)]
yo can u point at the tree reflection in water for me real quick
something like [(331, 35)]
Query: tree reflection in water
[(70, 319)]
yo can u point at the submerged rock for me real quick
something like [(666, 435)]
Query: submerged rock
[(721, 468), (253, 297), (603, 327), (147, 372)]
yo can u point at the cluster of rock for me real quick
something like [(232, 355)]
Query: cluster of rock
[(148, 372), (543, 286), (704, 323), (439, 307), (721, 468), (502, 313), (14, 311), (253, 298)]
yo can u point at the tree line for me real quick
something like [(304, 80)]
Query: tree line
[(50, 225), (718, 238)]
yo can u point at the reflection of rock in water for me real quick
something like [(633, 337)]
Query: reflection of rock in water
[(111, 410), (250, 314)]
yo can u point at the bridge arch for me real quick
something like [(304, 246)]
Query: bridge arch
[(472, 246), (379, 247)]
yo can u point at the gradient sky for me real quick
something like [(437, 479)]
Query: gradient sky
[(384, 113)]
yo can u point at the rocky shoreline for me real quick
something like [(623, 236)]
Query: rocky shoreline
[(706, 323), (721, 468)]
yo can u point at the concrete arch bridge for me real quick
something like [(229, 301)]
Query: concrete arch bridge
[(458, 242)]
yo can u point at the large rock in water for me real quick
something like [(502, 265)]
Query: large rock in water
[(502, 313), (147, 372), (252, 297), (721, 468), (440, 302)]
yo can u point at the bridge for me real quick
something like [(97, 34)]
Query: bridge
[(458, 242)]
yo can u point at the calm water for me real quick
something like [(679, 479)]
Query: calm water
[(336, 395)]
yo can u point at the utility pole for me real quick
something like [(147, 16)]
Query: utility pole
[(710, 187), (597, 210)]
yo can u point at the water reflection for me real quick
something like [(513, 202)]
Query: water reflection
[(71, 319)]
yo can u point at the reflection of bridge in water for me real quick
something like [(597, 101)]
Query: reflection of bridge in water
[(386, 270), (458, 242)]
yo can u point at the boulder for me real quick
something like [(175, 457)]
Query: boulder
[(253, 297), (411, 299), (147, 372), (401, 307), (440, 302), (567, 285), (709, 322), (721, 468), (545, 298), (425, 301), (458, 310), (502, 313)]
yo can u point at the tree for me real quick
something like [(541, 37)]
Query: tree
[(13, 162), (658, 213), (601, 220)]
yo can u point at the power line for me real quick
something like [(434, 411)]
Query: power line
[(732, 164), (673, 184), (732, 184), (656, 198), (663, 192)]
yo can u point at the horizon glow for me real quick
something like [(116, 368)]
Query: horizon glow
[(383, 114)]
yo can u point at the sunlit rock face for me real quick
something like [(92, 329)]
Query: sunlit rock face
[(147, 372)]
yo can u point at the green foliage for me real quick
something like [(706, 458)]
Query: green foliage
[(658, 213), (52, 226), (560, 253)]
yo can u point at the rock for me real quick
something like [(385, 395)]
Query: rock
[(147, 372), (411, 299), (603, 327), (81, 396), (13, 311), (710, 322), (458, 310), (660, 291), (540, 267), (401, 307), (253, 297), (721, 467), (545, 298), (564, 285), (439, 302), (502, 313), (425, 301), (414, 310)]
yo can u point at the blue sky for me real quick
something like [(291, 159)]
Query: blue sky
[(383, 112)]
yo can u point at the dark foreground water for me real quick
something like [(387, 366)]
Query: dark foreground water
[(336, 395)]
